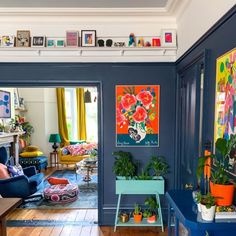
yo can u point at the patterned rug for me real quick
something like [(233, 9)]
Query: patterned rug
[(88, 194)]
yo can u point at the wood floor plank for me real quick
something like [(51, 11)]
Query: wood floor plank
[(75, 231), (56, 231)]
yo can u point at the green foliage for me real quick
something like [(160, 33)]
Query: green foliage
[(158, 165), (29, 130), (137, 209), (152, 204), (225, 149), (147, 213), (123, 165), (143, 176), (207, 200)]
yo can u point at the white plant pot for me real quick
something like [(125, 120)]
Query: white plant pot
[(208, 214), (199, 207)]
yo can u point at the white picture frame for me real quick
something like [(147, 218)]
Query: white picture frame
[(38, 41), (168, 38), (8, 41)]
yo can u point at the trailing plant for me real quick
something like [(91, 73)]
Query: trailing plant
[(123, 165), (158, 166), (225, 150)]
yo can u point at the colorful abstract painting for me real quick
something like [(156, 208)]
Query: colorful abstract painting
[(225, 110), (137, 115), (5, 104)]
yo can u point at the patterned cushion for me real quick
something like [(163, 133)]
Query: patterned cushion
[(61, 193), (33, 160), (15, 170)]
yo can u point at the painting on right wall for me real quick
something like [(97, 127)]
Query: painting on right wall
[(225, 110)]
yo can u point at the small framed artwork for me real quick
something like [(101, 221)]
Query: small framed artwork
[(156, 42), (8, 41), (51, 43), (38, 41), (23, 38), (72, 38), (60, 43), (88, 38), (168, 38)]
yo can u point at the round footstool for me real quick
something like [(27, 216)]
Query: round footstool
[(61, 193)]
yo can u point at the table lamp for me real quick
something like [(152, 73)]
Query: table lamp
[(55, 139)]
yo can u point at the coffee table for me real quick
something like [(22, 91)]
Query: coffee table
[(86, 167)]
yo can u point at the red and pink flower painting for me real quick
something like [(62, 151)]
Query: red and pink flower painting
[(137, 115)]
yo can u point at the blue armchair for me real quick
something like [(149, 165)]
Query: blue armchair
[(22, 186)]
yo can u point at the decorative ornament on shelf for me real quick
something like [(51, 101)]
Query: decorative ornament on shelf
[(132, 40), (55, 139)]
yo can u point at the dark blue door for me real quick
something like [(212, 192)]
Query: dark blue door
[(190, 124)]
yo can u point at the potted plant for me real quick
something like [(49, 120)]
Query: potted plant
[(158, 166), (123, 166), (208, 206), (221, 185), (137, 214), (152, 210)]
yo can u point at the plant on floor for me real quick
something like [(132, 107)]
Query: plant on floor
[(158, 166), (123, 165), (137, 213)]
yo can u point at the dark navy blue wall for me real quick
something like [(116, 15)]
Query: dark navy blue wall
[(220, 39), (109, 75)]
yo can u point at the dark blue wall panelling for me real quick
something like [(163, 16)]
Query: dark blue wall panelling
[(110, 75)]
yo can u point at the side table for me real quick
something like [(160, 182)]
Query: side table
[(6, 206), (54, 158)]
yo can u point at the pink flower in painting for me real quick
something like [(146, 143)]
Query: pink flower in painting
[(128, 100), (55, 198), (146, 98), (140, 114), (120, 118)]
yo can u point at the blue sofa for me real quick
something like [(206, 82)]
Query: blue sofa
[(22, 186)]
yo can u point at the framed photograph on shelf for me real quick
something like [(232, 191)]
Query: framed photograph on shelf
[(72, 38), (88, 38), (16, 98), (60, 43), (168, 38), (23, 38), (8, 41), (38, 41), (51, 42)]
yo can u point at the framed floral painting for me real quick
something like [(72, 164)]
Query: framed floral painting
[(137, 115)]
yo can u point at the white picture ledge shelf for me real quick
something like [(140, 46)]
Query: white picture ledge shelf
[(88, 54)]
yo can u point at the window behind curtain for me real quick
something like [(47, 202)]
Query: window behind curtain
[(91, 114)]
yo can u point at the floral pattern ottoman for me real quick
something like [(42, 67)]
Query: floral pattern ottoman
[(61, 193)]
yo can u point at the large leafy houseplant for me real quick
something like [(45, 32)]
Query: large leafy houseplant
[(123, 165), (158, 166), (220, 183)]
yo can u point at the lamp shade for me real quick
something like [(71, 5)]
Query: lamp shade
[(54, 138)]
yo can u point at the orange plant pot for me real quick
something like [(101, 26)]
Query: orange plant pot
[(225, 193), (138, 218)]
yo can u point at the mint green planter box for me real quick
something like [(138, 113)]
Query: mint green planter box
[(155, 187)]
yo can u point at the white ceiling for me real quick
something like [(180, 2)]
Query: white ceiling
[(87, 3)]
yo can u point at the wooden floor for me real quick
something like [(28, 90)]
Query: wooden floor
[(77, 215)]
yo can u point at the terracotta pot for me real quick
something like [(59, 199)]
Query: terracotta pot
[(152, 219), (138, 218), (225, 193)]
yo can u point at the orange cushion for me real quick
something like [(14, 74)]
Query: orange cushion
[(55, 181), (4, 172)]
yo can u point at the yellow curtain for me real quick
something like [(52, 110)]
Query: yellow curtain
[(81, 114), (61, 107)]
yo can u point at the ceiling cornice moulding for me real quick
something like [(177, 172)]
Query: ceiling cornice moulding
[(85, 11)]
